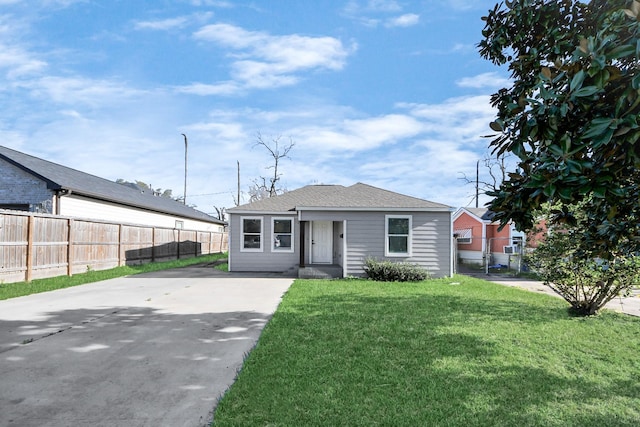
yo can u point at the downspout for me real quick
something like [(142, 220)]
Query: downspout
[(344, 248), (58, 197), (453, 242)]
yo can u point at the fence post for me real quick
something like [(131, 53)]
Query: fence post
[(30, 230), (70, 252), (178, 248), (121, 255), (153, 244)]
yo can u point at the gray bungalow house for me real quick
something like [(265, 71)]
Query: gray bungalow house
[(330, 230)]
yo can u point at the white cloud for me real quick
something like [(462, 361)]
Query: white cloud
[(375, 12), (214, 3), (485, 80), (267, 61), (173, 23), (163, 24), (79, 90), (353, 7), (18, 62), (202, 89), (354, 135), (406, 20)]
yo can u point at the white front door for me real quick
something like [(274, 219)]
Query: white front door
[(321, 242)]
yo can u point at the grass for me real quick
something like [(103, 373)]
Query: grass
[(461, 352), (18, 289)]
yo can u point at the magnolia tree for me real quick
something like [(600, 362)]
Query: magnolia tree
[(572, 119)]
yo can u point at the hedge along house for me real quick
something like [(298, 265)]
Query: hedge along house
[(330, 230), (32, 184)]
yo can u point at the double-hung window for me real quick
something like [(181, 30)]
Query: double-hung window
[(251, 234), (282, 235), (397, 235)]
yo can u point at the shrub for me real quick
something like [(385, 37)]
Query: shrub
[(583, 280), (389, 271)]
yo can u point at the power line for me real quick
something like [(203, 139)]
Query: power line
[(211, 194)]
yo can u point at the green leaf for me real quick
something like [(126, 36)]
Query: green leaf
[(556, 150), (549, 190), (621, 51), (566, 193), (585, 91), (597, 127), (577, 80), (599, 192), (496, 126)]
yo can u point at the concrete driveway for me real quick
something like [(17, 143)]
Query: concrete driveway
[(156, 349)]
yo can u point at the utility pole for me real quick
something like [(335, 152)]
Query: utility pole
[(238, 199), (184, 198), (477, 181)]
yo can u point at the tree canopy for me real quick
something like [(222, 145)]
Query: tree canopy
[(571, 115)]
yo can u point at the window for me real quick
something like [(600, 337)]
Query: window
[(398, 235), (464, 236), (179, 224), (251, 234), (282, 235)]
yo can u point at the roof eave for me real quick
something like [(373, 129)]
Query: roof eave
[(376, 209), (51, 185), (140, 206)]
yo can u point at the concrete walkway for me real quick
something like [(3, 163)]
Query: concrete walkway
[(629, 305), (156, 349)]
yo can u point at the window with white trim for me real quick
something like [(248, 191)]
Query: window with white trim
[(397, 235), (464, 236), (282, 234), (251, 231)]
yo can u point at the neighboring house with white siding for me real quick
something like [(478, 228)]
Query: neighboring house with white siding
[(28, 183), (330, 230)]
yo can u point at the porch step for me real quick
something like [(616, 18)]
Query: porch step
[(320, 272)]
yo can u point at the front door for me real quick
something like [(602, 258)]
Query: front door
[(321, 242)]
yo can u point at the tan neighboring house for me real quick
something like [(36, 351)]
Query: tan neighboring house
[(28, 183)]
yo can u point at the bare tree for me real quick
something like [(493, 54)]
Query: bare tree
[(221, 213), (496, 172), (265, 187)]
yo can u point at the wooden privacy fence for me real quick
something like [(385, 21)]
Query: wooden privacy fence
[(35, 246)]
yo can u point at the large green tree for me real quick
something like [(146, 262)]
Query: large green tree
[(571, 115), (572, 118)]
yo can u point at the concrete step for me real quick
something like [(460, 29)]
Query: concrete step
[(320, 272)]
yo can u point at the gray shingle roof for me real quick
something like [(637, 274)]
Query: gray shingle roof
[(482, 213), (60, 177), (354, 197)]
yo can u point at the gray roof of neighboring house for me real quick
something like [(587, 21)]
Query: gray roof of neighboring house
[(58, 177), (333, 197), (482, 213)]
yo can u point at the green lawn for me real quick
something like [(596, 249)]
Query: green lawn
[(12, 290), (452, 352)]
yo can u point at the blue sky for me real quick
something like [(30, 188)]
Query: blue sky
[(385, 92)]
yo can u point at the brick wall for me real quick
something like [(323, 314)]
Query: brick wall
[(19, 187)]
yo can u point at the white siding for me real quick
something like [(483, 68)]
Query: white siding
[(77, 206)]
